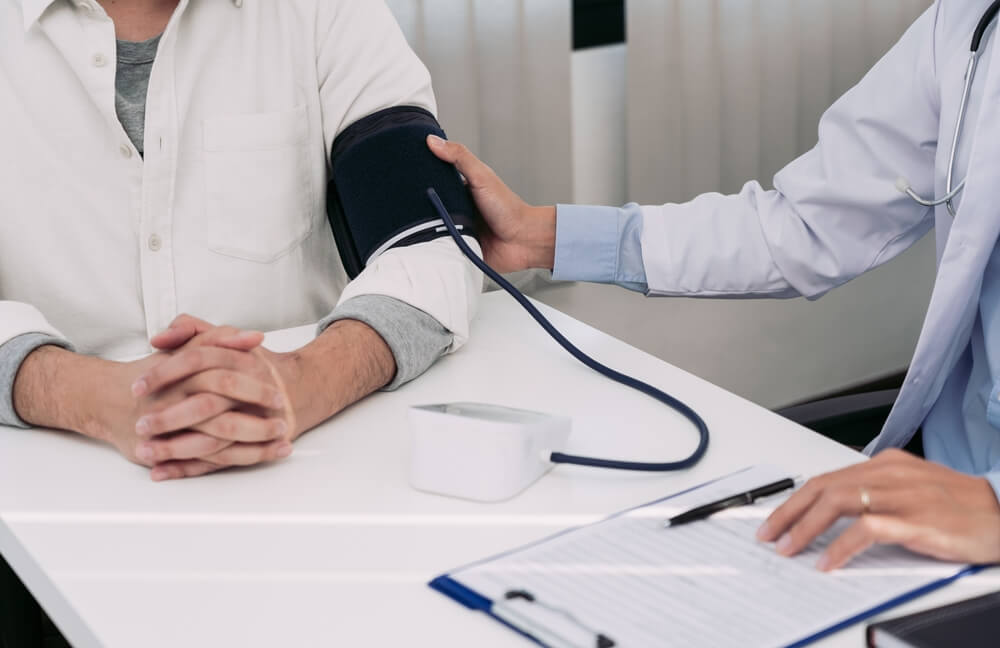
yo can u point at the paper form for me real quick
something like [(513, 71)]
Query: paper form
[(707, 583)]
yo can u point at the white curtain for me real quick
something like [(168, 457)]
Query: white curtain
[(501, 71), (724, 91)]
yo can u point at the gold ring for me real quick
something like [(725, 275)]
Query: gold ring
[(866, 501)]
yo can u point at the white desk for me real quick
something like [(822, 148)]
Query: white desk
[(332, 547)]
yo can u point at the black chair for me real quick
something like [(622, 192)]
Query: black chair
[(852, 417)]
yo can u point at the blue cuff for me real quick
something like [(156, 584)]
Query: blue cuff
[(600, 244)]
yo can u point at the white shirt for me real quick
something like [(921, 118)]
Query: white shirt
[(225, 216)]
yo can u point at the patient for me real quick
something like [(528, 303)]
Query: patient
[(164, 157)]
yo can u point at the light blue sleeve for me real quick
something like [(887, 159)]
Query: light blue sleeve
[(601, 245)]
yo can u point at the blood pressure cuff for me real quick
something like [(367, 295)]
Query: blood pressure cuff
[(377, 196)]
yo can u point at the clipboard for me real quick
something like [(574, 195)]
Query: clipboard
[(568, 614)]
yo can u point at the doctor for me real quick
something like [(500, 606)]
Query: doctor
[(837, 212)]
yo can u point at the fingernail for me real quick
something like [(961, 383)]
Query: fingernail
[(158, 475), (435, 140), (784, 544), (764, 532), (284, 450), (824, 563), (281, 428), (246, 335), (279, 401), (140, 387), (144, 452), (143, 425)]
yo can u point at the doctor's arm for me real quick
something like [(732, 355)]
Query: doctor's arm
[(834, 213)]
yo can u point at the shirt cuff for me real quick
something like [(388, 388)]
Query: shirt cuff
[(415, 338), (12, 356), (600, 244)]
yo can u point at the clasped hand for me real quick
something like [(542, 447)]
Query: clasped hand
[(211, 398)]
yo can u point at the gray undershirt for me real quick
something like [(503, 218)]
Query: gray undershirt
[(135, 63), (415, 338)]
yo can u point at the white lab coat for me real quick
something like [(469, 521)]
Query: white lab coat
[(836, 212)]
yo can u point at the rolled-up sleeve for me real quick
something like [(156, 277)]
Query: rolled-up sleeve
[(415, 338), (12, 355)]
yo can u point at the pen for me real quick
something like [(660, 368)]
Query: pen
[(741, 499)]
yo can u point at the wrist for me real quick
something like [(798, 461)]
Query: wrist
[(56, 388), (345, 363), (540, 236)]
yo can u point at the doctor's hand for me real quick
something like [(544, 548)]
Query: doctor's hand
[(896, 498), (521, 236)]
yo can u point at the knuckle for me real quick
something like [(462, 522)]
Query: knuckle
[(227, 382), (868, 526), (161, 451), (192, 360), (204, 405), (229, 426), (893, 455), (814, 485), (226, 331), (842, 497)]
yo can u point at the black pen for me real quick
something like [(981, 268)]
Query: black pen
[(741, 499)]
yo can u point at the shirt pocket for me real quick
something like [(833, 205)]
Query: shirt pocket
[(258, 184)]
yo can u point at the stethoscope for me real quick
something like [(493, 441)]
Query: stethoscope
[(978, 38)]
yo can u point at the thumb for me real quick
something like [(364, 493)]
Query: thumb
[(475, 171)]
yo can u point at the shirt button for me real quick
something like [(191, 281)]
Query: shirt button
[(155, 243), (126, 151), (99, 60)]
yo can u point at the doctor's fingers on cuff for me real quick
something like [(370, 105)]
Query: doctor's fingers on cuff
[(196, 359), (477, 173), (183, 445)]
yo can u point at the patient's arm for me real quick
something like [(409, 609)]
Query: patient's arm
[(345, 363), (233, 410)]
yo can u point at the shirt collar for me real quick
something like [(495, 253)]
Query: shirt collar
[(33, 10)]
